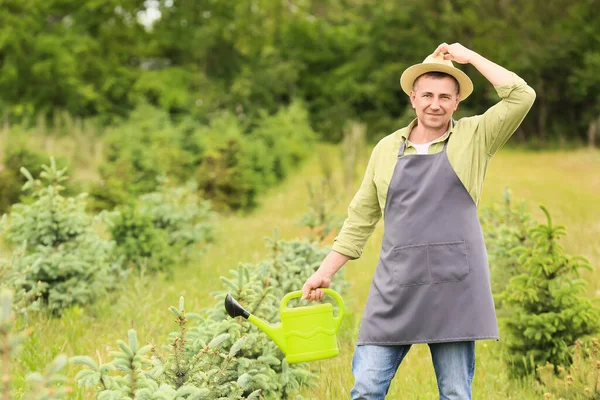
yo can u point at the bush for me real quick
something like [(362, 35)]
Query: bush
[(64, 262), (232, 163), (233, 170), (548, 309), (237, 167), (137, 152), (163, 227), (179, 211), (218, 357), (287, 136), (139, 242)]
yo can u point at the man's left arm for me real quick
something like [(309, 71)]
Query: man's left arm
[(500, 121)]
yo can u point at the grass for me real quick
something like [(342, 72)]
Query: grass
[(568, 183)]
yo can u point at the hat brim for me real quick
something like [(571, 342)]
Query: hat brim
[(412, 73)]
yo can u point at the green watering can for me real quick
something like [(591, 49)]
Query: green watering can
[(305, 333)]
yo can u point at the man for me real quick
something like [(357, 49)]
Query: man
[(431, 284)]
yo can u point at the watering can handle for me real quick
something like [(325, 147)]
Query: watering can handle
[(330, 292)]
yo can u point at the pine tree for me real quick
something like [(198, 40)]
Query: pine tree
[(212, 356), (64, 261), (549, 309)]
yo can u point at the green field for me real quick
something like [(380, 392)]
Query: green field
[(568, 183)]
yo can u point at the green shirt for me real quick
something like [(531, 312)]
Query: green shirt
[(474, 141)]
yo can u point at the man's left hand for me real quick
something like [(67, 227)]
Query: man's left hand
[(454, 52)]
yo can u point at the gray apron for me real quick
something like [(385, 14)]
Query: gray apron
[(432, 281)]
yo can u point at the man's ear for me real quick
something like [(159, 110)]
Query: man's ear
[(412, 99)]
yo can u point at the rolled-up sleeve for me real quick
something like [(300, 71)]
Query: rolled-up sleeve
[(500, 121), (363, 214)]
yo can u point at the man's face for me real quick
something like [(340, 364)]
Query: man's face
[(434, 100)]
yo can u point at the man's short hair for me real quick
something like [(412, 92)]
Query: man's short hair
[(437, 75)]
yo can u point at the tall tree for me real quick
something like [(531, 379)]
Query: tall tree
[(75, 55)]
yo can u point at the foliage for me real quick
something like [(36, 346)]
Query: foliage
[(506, 227), (170, 88), (162, 228), (137, 152), (179, 211), (77, 56), (11, 180), (139, 242), (233, 170), (549, 311), (65, 262), (342, 58), (237, 167), (287, 137), (581, 380), (217, 356), (46, 386), (231, 162)]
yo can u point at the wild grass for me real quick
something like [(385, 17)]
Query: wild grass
[(568, 183)]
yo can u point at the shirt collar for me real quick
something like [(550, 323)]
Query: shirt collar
[(406, 131)]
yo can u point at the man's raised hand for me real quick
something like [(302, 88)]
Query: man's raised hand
[(454, 52)]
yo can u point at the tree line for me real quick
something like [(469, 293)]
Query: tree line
[(98, 59)]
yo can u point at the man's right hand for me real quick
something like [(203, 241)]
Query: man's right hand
[(322, 276), (311, 291)]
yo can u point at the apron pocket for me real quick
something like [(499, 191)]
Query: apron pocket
[(410, 265), (448, 262)]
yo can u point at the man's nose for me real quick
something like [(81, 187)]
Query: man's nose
[(435, 104)]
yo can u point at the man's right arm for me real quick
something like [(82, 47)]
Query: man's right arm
[(363, 214)]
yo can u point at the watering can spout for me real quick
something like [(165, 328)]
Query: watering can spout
[(275, 332)]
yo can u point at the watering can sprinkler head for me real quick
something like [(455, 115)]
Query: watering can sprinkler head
[(234, 309)]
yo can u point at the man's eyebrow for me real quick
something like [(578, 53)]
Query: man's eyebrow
[(441, 94)]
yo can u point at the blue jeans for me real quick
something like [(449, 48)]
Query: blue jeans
[(374, 367)]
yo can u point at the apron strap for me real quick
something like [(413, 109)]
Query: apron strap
[(452, 123), (446, 143), (402, 148)]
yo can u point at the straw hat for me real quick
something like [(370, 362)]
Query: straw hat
[(436, 64)]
